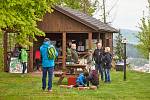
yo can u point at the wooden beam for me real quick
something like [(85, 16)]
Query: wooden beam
[(64, 49), (30, 61), (5, 38), (90, 40), (111, 42)]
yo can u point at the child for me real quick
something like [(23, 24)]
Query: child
[(93, 78), (81, 79), (107, 64)]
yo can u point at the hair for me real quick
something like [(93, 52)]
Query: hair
[(107, 49), (98, 42), (46, 39), (86, 74)]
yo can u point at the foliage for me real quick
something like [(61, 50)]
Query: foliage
[(15, 87), (118, 50), (144, 37), (21, 17), (85, 6)]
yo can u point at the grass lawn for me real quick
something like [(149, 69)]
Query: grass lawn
[(15, 87)]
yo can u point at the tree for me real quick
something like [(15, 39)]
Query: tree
[(85, 6), (119, 48), (144, 35), (107, 12), (21, 17)]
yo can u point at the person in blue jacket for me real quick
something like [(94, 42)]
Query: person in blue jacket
[(81, 79), (47, 64)]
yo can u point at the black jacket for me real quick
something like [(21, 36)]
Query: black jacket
[(107, 59), (98, 56)]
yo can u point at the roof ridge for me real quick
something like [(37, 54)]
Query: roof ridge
[(85, 19)]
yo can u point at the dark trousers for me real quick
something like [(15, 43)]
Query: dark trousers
[(24, 64), (100, 69), (50, 76), (37, 63)]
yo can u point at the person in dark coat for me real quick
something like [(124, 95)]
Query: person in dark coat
[(107, 63), (93, 78), (98, 58)]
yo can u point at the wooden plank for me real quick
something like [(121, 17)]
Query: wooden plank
[(58, 22), (64, 49), (108, 40), (90, 40), (6, 69)]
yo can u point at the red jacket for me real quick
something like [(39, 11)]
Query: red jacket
[(37, 54)]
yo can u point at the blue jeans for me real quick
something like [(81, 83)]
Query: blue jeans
[(50, 76), (107, 75), (100, 69)]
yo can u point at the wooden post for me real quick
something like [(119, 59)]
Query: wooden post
[(30, 61), (64, 49), (111, 42), (90, 40), (5, 38)]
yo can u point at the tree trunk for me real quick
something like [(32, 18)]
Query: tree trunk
[(149, 59)]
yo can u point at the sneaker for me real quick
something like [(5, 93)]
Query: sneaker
[(105, 81), (43, 89), (50, 91)]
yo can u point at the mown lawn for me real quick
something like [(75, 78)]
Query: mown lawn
[(15, 87)]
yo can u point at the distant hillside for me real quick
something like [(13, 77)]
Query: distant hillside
[(132, 51), (130, 35)]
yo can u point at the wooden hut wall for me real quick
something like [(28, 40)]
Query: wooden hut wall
[(58, 22)]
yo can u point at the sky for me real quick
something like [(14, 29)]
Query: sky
[(126, 14)]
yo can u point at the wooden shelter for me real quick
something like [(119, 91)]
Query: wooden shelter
[(65, 24)]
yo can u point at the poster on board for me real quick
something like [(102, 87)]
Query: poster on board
[(15, 66)]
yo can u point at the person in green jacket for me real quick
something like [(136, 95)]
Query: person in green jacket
[(24, 59)]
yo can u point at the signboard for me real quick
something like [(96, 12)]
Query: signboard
[(15, 66)]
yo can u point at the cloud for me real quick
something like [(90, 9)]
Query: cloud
[(128, 13)]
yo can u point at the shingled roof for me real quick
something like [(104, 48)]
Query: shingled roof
[(86, 19)]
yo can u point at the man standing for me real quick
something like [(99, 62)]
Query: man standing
[(98, 58), (47, 64)]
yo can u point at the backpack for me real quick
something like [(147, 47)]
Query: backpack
[(95, 77), (51, 53)]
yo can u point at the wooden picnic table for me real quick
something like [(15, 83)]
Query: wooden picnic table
[(69, 73)]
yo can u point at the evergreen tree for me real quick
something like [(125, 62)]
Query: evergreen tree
[(118, 50)]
